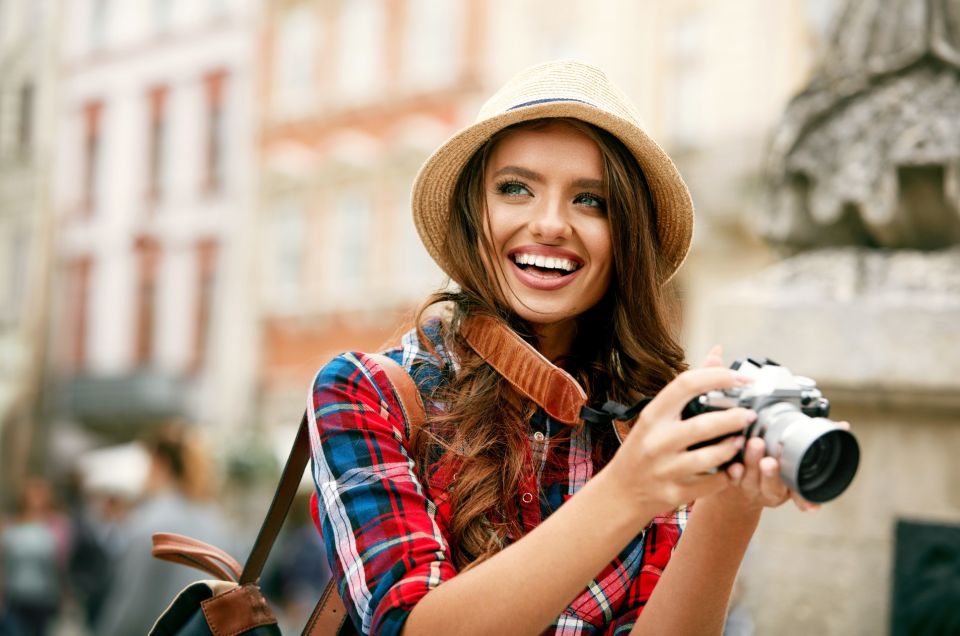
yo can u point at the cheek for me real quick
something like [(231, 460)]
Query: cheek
[(601, 244)]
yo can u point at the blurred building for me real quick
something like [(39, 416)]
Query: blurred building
[(355, 95), (28, 90), (153, 190)]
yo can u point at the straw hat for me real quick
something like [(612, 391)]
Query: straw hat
[(565, 88)]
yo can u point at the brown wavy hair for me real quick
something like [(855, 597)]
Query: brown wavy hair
[(625, 347)]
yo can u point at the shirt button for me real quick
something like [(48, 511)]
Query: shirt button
[(527, 498), (538, 436)]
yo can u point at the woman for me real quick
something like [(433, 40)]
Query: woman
[(561, 220)]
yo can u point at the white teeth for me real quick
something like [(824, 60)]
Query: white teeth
[(546, 262)]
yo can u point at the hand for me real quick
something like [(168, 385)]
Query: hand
[(654, 468), (757, 479)]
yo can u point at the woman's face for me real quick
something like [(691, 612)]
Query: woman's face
[(547, 222)]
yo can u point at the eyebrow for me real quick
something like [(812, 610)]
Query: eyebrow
[(595, 184)]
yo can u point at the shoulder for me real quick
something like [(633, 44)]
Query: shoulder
[(427, 360)]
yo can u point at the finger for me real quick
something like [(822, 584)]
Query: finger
[(735, 473), (802, 504), (845, 425), (708, 426), (689, 384), (772, 488), (709, 457), (753, 452), (714, 357)]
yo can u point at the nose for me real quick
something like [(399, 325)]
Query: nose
[(549, 221)]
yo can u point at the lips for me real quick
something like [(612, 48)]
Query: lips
[(543, 267)]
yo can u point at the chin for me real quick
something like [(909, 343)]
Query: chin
[(538, 314)]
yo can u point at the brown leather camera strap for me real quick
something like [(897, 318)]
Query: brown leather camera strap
[(525, 368)]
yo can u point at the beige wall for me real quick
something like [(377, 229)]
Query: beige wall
[(831, 572)]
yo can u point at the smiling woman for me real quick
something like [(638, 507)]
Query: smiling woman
[(561, 221)]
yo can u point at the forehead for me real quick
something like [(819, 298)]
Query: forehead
[(552, 146)]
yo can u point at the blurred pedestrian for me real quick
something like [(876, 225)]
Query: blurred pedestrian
[(177, 498), (34, 544)]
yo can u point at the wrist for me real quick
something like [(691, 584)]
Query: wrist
[(731, 505), (617, 499)]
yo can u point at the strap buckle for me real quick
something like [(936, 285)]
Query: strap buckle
[(612, 410)]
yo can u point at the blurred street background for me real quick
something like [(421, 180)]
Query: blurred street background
[(202, 201)]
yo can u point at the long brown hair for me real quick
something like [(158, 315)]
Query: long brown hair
[(625, 346)]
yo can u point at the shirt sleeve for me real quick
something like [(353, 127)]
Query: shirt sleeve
[(383, 537)]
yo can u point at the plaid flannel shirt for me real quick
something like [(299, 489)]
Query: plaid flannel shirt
[(386, 533)]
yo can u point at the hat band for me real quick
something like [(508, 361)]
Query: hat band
[(548, 100)]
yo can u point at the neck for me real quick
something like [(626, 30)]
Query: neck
[(555, 340)]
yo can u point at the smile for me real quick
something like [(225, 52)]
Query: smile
[(545, 264), (545, 271)]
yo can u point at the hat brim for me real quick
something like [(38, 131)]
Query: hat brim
[(432, 195)]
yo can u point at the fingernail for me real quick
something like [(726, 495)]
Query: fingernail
[(741, 379), (749, 416), (738, 442)]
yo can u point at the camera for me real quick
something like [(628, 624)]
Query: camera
[(818, 458)]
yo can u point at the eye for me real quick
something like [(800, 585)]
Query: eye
[(512, 188), (590, 200)]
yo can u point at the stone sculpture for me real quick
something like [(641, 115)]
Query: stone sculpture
[(869, 153)]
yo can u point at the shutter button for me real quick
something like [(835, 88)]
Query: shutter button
[(538, 436), (527, 498)]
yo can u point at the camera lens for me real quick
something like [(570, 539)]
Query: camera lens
[(828, 466), (819, 462), (818, 459)]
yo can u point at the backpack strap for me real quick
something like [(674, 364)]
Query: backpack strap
[(330, 616), (177, 548)]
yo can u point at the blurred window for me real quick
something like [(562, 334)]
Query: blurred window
[(75, 311), (148, 260), (216, 156), (361, 55), (206, 288), (686, 67), (25, 120), (99, 23), (434, 42), (295, 63), (92, 155), (162, 15), (289, 242), (418, 270), (353, 228), (18, 242), (157, 144)]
